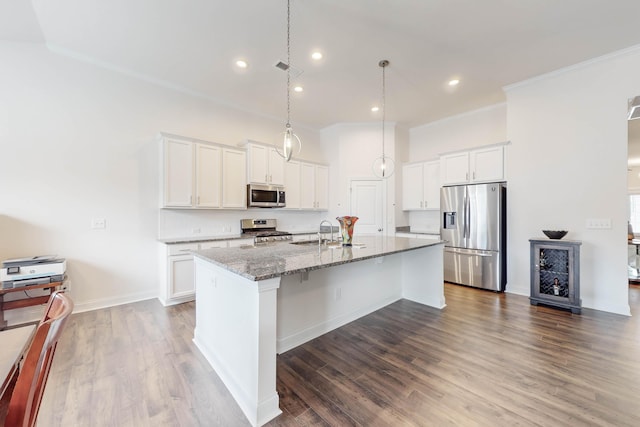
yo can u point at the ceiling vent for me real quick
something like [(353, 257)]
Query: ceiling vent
[(634, 108), (295, 72)]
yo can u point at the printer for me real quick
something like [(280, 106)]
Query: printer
[(36, 270)]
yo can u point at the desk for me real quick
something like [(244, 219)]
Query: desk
[(13, 345), (27, 302)]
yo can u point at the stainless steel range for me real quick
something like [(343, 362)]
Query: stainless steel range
[(263, 230)]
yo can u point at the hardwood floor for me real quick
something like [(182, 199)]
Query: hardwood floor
[(486, 360)]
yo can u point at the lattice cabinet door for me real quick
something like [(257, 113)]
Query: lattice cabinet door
[(555, 273)]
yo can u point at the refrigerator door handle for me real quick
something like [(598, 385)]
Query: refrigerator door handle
[(465, 217), (468, 219)]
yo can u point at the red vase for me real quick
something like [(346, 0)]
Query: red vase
[(346, 228)]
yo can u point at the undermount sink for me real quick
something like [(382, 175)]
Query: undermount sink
[(325, 242)]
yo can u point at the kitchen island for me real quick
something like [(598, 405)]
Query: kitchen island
[(253, 302)]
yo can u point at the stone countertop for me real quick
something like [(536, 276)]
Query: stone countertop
[(268, 260), (198, 239)]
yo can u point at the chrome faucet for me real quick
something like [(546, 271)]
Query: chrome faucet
[(320, 230)]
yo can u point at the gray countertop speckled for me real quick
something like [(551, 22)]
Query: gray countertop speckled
[(199, 239), (268, 260)]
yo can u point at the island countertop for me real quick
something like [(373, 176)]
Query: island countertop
[(274, 259)]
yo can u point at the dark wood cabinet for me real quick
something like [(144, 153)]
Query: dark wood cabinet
[(555, 273)]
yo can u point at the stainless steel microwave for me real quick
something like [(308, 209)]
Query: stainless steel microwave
[(265, 196)]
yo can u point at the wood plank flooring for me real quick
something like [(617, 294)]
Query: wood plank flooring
[(486, 360)]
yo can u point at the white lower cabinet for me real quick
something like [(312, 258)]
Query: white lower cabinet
[(179, 285)]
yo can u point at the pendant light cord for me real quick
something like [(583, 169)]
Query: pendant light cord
[(383, 64), (288, 62)]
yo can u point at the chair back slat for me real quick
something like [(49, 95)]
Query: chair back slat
[(32, 379)]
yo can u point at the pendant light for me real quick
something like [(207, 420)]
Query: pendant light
[(290, 140), (383, 166)]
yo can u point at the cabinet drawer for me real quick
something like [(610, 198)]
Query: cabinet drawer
[(181, 248), (213, 244)]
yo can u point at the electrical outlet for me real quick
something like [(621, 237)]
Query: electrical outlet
[(195, 231), (98, 223), (598, 223), (66, 286)]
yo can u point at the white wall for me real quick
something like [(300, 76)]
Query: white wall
[(353, 147), (567, 163), (472, 129), (79, 142)]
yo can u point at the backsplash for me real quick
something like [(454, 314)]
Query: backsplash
[(424, 221), (174, 223)]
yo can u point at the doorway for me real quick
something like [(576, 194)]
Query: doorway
[(367, 205)]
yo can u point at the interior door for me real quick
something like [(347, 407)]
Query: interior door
[(366, 204)]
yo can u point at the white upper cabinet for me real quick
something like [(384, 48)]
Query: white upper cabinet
[(292, 184), (487, 164), (312, 189), (197, 174), (479, 165), (455, 168), (322, 187), (234, 186), (307, 185), (421, 186), (207, 181), (177, 182), (264, 165)]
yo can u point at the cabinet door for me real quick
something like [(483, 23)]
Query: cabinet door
[(234, 186), (322, 187), (431, 174), (454, 168), (178, 173), (292, 184), (181, 280), (412, 187), (276, 167), (307, 184), (208, 176), (258, 158), (487, 164)]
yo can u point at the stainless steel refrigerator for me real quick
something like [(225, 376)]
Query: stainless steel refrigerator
[(473, 222)]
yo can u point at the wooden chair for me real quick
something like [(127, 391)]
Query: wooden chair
[(27, 395)]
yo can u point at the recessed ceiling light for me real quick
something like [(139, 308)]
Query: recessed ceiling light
[(375, 109), (316, 55), (241, 63), (298, 89), (454, 82)]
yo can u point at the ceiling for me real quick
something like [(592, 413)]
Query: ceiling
[(193, 44)]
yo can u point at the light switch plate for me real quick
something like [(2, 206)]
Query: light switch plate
[(598, 223)]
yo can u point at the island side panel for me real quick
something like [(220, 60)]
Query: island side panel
[(423, 277), (331, 297), (236, 332)]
